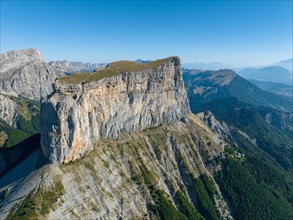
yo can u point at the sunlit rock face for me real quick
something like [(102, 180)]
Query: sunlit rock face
[(81, 112)]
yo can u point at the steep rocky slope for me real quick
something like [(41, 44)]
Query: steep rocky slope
[(255, 174), (155, 172), (24, 79), (147, 156), (24, 73), (19, 119), (131, 97)]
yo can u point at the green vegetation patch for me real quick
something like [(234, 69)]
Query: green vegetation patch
[(164, 208), (27, 123), (113, 69), (3, 137), (256, 189), (204, 192), (38, 203), (186, 207)]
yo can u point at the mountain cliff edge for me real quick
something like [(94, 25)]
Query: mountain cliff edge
[(123, 97)]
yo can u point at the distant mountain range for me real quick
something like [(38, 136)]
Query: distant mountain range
[(270, 73), (288, 64), (279, 88), (142, 61), (280, 72), (72, 67), (205, 66), (206, 86)]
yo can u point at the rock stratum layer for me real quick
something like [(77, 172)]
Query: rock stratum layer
[(129, 97)]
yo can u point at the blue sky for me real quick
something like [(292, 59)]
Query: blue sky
[(232, 32)]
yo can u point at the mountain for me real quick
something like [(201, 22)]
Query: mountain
[(73, 67), (256, 170), (256, 175), (19, 119), (269, 73), (278, 88), (288, 64), (25, 73), (206, 86), (119, 145), (153, 173), (205, 66), (25, 78), (120, 102), (272, 130), (142, 61)]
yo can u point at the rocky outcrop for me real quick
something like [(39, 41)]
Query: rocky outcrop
[(17, 58), (9, 110), (24, 73), (83, 110)]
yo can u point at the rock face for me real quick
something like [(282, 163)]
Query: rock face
[(77, 115), (17, 58), (24, 73), (9, 109), (122, 178)]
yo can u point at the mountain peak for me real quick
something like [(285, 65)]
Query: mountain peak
[(27, 54), (218, 77), (16, 58)]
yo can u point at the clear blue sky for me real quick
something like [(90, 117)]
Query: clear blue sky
[(232, 32)]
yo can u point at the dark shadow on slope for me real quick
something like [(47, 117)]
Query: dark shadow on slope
[(11, 157)]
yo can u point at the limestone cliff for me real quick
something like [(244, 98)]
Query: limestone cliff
[(124, 97), (150, 174), (24, 73), (9, 110)]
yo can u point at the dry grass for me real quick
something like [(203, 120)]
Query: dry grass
[(113, 69)]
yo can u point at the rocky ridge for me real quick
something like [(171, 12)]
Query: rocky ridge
[(206, 86), (81, 112), (24, 73)]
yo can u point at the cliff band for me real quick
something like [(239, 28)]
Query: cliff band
[(123, 97)]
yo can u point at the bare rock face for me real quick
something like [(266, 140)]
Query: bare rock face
[(82, 110), (9, 110), (24, 73), (17, 58)]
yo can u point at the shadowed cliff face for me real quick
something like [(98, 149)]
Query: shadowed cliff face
[(77, 115)]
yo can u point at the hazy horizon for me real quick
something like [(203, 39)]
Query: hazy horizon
[(236, 34)]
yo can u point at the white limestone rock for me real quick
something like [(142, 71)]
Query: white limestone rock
[(77, 115)]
